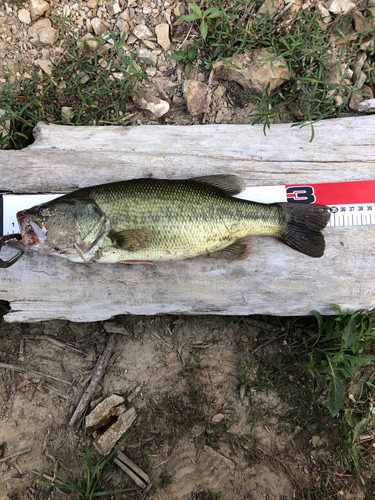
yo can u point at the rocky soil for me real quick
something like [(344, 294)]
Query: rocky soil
[(31, 39)]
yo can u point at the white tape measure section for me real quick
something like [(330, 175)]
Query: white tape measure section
[(13, 203), (352, 215)]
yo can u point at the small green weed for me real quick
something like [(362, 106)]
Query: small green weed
[(187, 56), (204, 17), (82, 80), (342, 346), (201, 494), (86, 487)]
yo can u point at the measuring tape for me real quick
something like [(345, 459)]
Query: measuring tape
[(351, 203)]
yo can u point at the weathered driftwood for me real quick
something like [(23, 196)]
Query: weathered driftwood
[(274, 280)]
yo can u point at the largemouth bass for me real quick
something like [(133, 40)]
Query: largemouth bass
[(149, 220)]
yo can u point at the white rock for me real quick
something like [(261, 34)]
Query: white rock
[(45, 64), (24, 16), (38, 8), (92, 4), (157, 106), (113, 8), (198, 97), (324, 12), (340, 6), (147, 56), (162, 33), (98, 26), (367, 106), (43, 32), (255, 72), (89, 40), (122, 26), (179, 10), (67, 114), (141, 31)]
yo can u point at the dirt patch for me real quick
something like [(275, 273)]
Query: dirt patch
[(197, 432)]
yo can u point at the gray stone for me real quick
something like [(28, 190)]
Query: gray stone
[(67, 114), (269, 8), (24, 16), (141, 31), (361, 80), (157, 106), (122, 26), (43, 33), (147, 56), (340, 6), (162, 33), (357, 65), (89, 40), (179, 10), (254, 73), (38, 8), (113, 8), (45, 64), (198, 97), (367, 106), (354, 102), (98, 26)]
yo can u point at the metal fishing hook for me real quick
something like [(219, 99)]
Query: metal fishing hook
[(13, 260)]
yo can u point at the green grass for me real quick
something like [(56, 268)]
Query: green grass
[(82, 80), (298, 39), (312, 372), (87, 485)]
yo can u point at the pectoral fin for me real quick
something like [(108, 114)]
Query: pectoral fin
[(231, 184), (239, 250), (132, 240)]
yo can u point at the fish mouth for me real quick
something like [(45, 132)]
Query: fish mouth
[(33, 236)]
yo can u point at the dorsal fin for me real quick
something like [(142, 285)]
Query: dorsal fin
[(231, 184)]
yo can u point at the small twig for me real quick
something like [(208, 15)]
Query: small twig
[(161, 463), (56, 391), (22, 350), (261, 324), (20, 369), (16, 466), (16, 454), (58, 342), (96, 377), (30, 494), (186, 37), (156, 335), (261, 346), (209, 83)]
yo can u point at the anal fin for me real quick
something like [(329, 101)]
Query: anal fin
[(239, 250)]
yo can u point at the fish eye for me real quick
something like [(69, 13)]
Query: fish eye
[(41, 210)]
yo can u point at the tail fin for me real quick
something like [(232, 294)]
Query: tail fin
[(302, 226)]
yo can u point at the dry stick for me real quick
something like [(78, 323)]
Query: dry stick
[(20, 369), (209, 83), (59, 343), (97, 375), (16, 454)]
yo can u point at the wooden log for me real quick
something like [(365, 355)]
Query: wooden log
[(274, 280)]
